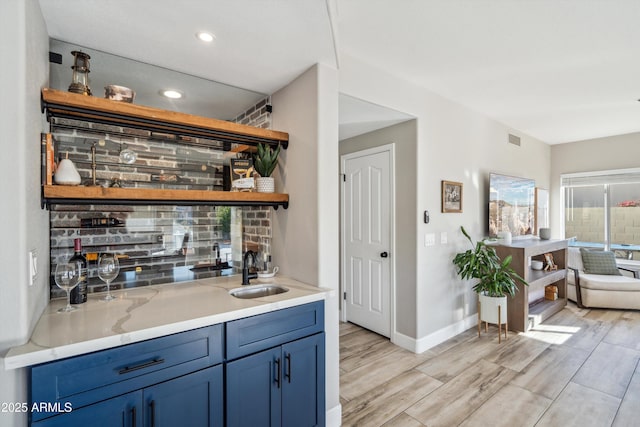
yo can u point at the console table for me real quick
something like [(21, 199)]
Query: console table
[(525, 310)]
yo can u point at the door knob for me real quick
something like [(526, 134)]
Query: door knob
[(384, 254)]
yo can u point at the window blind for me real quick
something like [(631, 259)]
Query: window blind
[(626, 176)]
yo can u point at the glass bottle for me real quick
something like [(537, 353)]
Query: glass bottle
[(79, 293)]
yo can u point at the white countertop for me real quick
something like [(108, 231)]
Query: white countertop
[(144, 313)]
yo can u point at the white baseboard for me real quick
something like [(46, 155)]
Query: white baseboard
[(334, 416), (404, 341), (425, 343)]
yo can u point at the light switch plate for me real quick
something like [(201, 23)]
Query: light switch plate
[(429, 239), (33, 267), (443, 238)]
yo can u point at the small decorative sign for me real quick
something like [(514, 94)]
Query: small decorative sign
[(451, 196), (242, 175)]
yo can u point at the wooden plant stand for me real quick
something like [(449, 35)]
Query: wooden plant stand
[(486, 325)]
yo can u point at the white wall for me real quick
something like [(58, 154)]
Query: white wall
[(614, 152), (306, 236), (24, 47), (456, 144), (295, 231)]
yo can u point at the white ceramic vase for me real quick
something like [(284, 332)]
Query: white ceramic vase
[(265, 184), (505, 237), (66, 173), (489, 309)]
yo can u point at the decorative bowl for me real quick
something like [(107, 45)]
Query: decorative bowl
[(545, 233), (267, 274), (536, 265)]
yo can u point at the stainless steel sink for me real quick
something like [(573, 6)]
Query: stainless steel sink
[(257, 291)]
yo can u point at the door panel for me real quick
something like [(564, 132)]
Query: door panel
[(355, 184), (377, 287), (124, 411), (367, 216), (194, 399), (253, 389), (375, 206), (303, 383), (356, 282)]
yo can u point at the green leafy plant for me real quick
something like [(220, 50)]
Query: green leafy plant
[(266, 159), (495, 277), (224, 216)]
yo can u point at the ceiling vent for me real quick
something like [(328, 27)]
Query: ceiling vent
[(515, 140)]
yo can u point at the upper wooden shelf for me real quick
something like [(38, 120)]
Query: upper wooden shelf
[(65, 194), (74, 106)]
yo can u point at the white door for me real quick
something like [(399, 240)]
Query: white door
[(366, 210)]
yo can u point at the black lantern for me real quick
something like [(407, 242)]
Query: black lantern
[(80, 81)]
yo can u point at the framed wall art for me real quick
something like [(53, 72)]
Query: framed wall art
[(451, 196), (511, 205)]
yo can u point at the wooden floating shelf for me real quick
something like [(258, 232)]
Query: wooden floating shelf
[(66, 194), (237, 137), (81, 107)]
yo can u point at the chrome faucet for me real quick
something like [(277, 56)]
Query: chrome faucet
[(246, 276)]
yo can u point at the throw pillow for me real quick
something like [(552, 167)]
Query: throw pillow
[(599, 262)]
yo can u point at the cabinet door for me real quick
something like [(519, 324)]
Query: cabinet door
[(191, 400), (303, 387), (122, 411), (253, 390)]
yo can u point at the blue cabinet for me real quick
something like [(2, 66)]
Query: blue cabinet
[(264, 370), (191, 400), (282, 385), (121, 411), (152, 382), (253, 393), (303, 386)]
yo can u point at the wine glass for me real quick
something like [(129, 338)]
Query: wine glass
[(108, 269), (67, 277)]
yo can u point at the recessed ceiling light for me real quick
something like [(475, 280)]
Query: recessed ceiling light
[(173, 94), (205, 37)]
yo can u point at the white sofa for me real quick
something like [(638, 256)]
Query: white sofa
[(601, 291)]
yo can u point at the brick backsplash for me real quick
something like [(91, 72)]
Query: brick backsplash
[(256, 116), (151, 239), (157, 244), (162, 162)]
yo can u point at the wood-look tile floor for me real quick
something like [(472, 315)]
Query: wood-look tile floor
[(578, 368)]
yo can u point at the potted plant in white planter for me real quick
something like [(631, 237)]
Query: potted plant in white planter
[(264, 162), (496, 279)]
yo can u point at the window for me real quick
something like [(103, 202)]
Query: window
[(602, 210)]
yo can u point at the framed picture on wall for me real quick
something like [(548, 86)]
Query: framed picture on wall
[(451, 196)]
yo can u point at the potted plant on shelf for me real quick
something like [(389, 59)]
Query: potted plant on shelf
[(496, 279), (264, 162)]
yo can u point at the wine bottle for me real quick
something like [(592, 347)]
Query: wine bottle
[(101, 222), (79, 293)]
